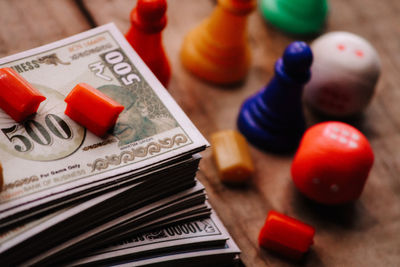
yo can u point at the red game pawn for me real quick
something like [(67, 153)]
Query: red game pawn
[(332, 163), (17, 97), (148, 19), (285, 235)]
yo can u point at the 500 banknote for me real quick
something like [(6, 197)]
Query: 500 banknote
[(48, 156)]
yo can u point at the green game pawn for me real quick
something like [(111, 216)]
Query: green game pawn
[(295, 16)]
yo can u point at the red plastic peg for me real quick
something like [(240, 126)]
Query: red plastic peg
[(148, 19), (285, 235), (17, 97), (332, 163), (92, 109)]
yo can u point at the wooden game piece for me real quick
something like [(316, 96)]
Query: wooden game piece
[(345, 71), (217, 50), (148, 19), (332, 163), (273, 118), (17, 97), (92, 109), (295, 16), (232, 156), (285, 235)]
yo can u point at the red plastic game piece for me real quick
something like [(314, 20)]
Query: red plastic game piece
[(286, 235), (148, 19), (332, 163), (17, 97), (92, 109)]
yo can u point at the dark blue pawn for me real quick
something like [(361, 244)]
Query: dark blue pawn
[(273, 118)]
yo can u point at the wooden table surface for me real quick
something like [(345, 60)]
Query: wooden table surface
[(365, 233)]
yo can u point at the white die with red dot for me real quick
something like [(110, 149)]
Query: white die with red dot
[(344, 74)]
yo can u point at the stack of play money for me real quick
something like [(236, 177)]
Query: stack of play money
[(194, 243), (69, 195)]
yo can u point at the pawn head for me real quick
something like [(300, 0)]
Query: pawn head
[(297, 57), (151, 10), (149, 16)]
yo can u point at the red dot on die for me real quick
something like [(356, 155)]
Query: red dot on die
[(341, 47), (359, 53)]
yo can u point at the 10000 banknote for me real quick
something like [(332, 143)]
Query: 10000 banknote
[(49, 149), (170, 239)]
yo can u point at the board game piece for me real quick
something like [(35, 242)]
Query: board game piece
[(92, 109), (332, 163), (286, 235), (217, 50), (18, 98), (273, 119), (345, 71), (148, 19), (232, 156), (295, 16)]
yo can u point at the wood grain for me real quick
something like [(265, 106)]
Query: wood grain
[(365, 233), (27, 24)]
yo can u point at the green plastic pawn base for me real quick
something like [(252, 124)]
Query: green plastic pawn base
[(301, 17)]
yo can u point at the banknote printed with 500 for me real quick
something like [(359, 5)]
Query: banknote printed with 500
[(49, 153)]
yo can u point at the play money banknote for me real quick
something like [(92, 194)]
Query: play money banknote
[(49, 153), (193, 234)]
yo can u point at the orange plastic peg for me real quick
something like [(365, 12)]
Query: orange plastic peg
[(217, 50), (17, 97), (148, 19), (92, 109)]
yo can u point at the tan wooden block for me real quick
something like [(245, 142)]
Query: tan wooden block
[(232, 156)]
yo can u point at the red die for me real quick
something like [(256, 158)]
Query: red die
[(92, 109), (285, 235), (332, 163), (17, 97)]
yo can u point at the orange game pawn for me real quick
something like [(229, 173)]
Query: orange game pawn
[(148, 19), (217, 50)]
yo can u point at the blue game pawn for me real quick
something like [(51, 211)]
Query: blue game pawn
[(273, 118)]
